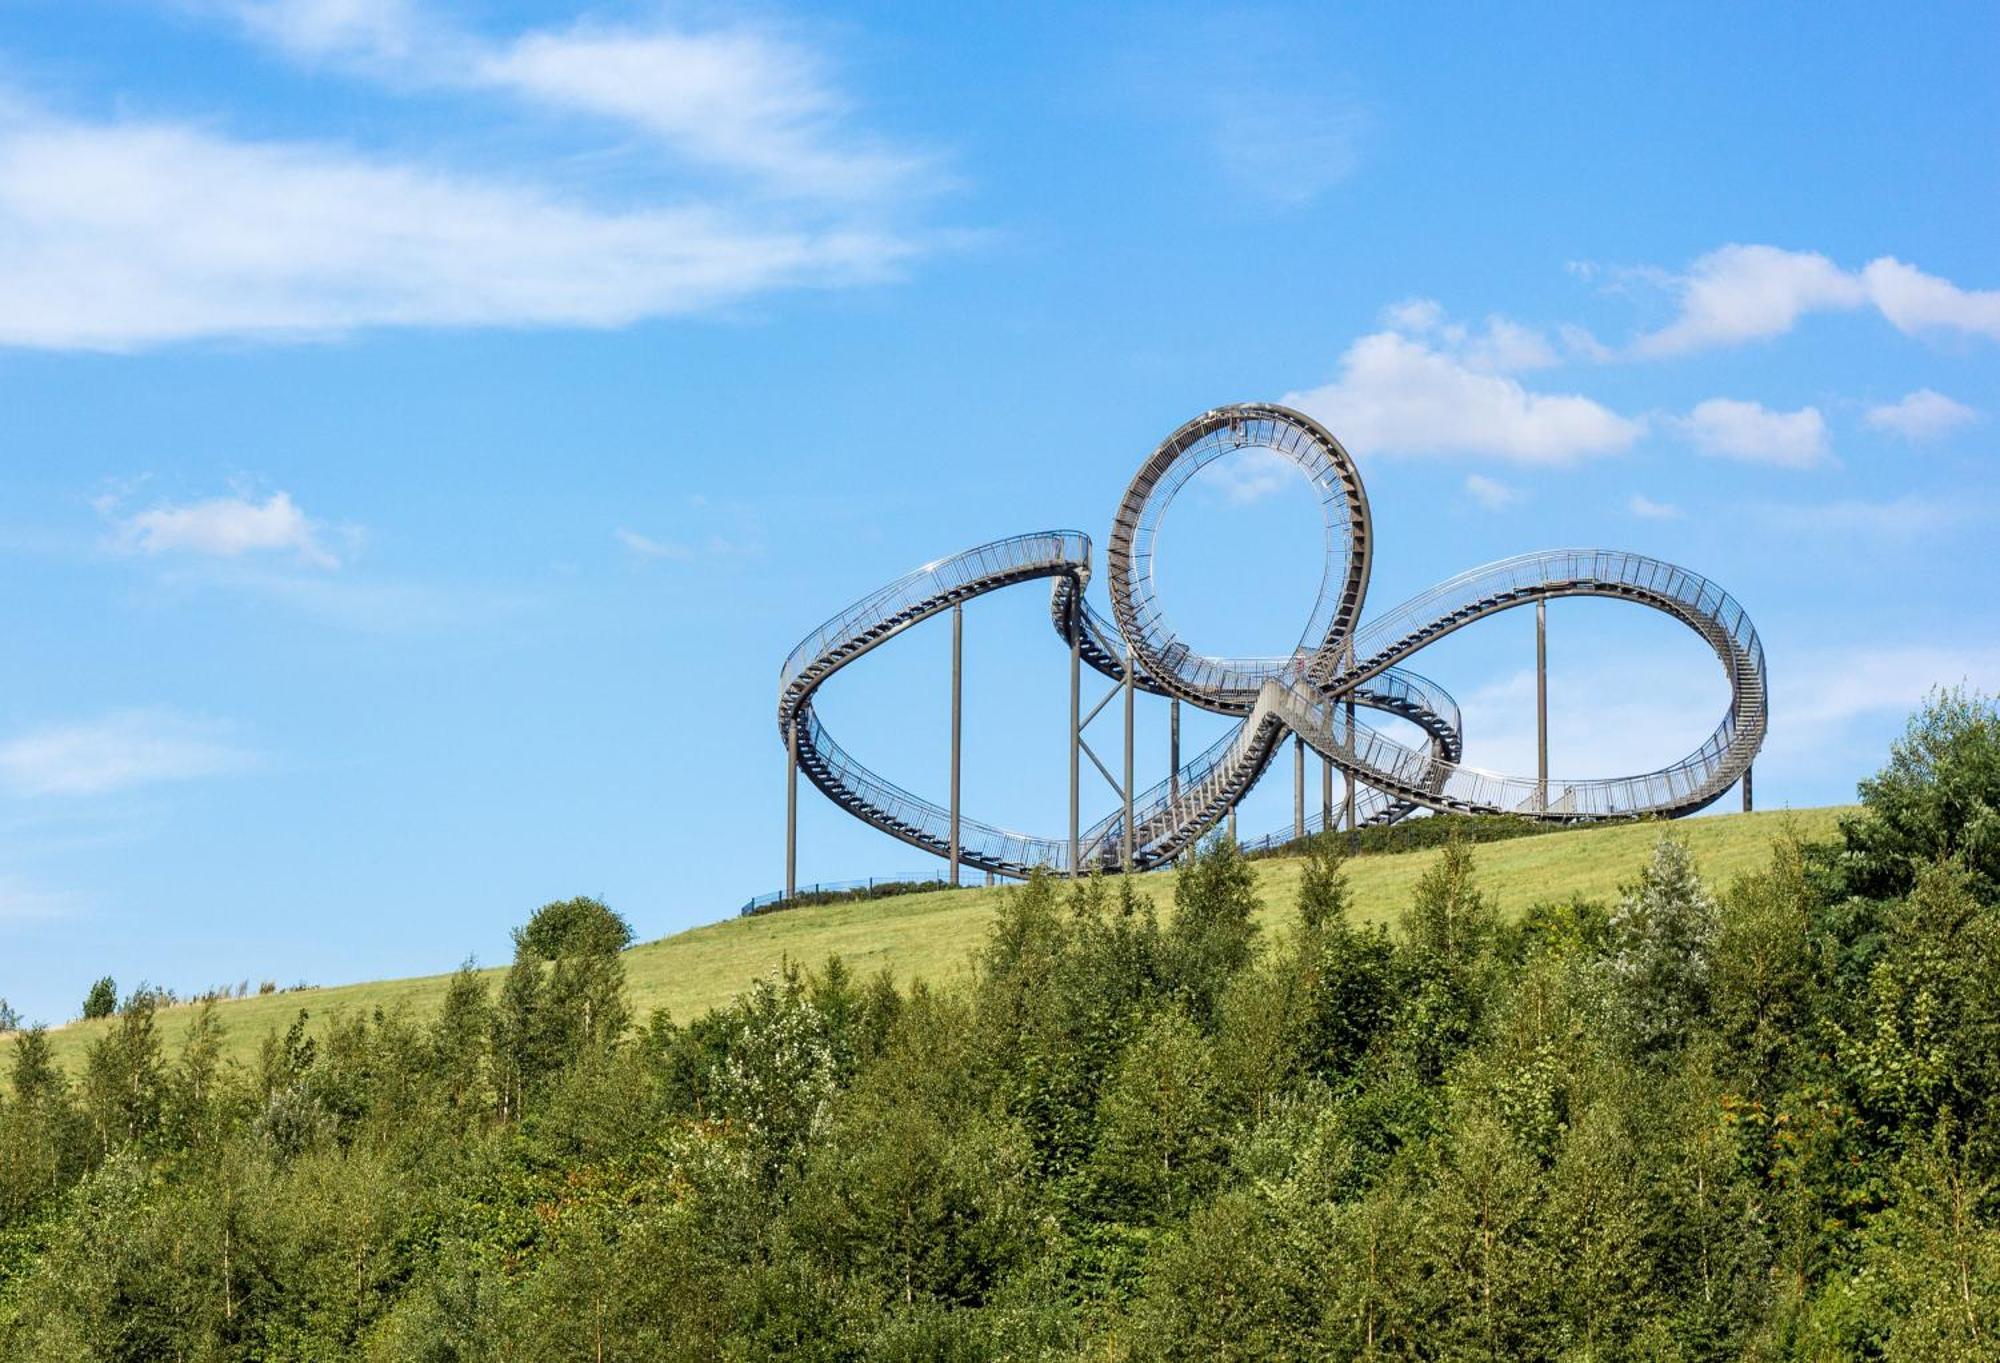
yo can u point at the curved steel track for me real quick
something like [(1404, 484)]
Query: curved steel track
[(1338, 660)]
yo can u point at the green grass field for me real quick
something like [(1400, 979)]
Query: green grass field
[(933, 935)]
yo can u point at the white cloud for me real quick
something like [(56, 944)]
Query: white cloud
[(739, 98), (228, 527), (1922, 415), (1398, 394), (1490, 493), (1286, 146), (1249, 475), (124, 235), (21, 901), (733, 99), (647, 547), (1752, 432), (1746, 293), (371, 29), (1646, 509), (1914, 301), (713, 546), (1501, 346), (121, 750), (1741, 293)]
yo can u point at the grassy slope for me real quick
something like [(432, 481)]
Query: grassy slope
[(932, 935)]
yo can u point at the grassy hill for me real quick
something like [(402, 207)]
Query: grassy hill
[(931, 935)]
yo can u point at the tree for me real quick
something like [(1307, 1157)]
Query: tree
[(1323, 882), (1449, 930), (102, 1000), (1663, 936), (1937, 797), (10, 1020), (1213, 932), (1160, 1133), (574, 928)]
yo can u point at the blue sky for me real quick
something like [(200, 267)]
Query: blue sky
[(428, 427)]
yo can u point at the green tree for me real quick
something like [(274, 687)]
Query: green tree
[(102, 1000), (1449, 931), (1663, 936), (1937, 797), (574, 928), (124, 1084), (1160, 1142), (1213, 933)]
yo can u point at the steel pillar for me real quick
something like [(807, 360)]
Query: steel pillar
[(1353, 831), (1542, 703), (1127, 868), (1075, 731), (1355, 834), (1232, 823), (1298, 787), (1746, 790), (1325, 795), (957, 679), (792, 810), (1174, 749)]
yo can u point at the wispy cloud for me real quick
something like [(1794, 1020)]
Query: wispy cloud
[(22, 901), (1250, 475), (1900, 518), (1490, 493), (1754, 433), (227, 527), (1646, 509), (1922, 415), (681, 551), (123, 235), (119, 751), (738, 95)]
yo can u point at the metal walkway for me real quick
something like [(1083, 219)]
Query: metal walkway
[(1316, 692)]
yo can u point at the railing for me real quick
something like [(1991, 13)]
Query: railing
[(913, 882), (938, 581)]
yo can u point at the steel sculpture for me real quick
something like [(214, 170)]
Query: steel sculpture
[(1339, 664)]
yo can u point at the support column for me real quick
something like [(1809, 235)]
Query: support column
[(1128, 760), (1746, 790), (792, 810), (1542, 703), (1075, 728), (1298, 787), (1174, 749), (1232, 823), (1353, 830), (957, 670), (1325, 795)]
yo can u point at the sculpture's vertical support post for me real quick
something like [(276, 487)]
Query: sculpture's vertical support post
[(1298, 787), (1542, 704), (1353, 832), (792, 809), (1174, 749), (1746, 790), (1075, 727), (1325, 794), (1232, 823), (957, 670), (1128, 760)]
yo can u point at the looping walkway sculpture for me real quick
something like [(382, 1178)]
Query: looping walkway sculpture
[(1339, 665)]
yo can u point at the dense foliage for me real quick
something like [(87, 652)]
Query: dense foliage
[(1751, 1121)]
